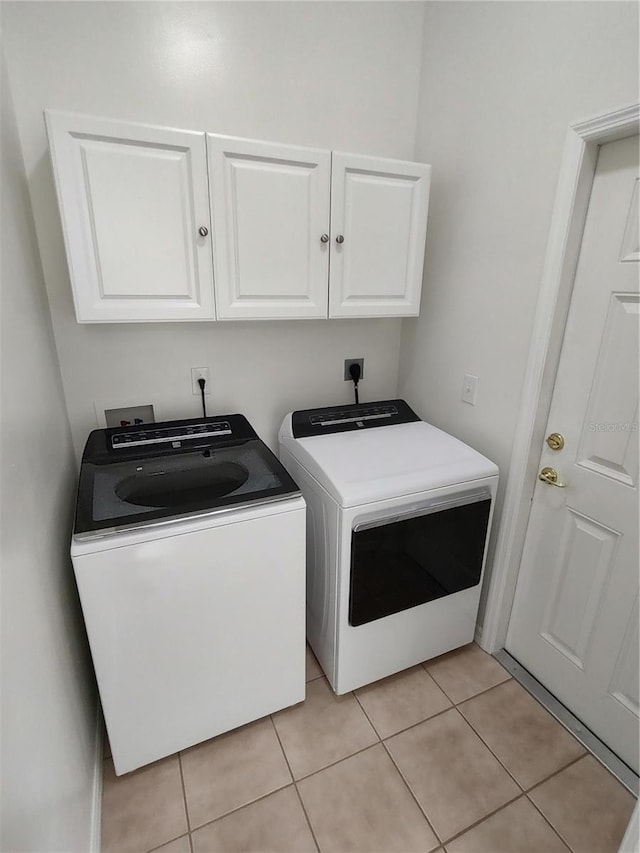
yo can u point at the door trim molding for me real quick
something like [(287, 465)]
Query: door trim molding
[(577, 169)]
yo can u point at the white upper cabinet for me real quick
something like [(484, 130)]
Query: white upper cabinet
[(135, 214), (378, 230), (156, 221), (270, 215)]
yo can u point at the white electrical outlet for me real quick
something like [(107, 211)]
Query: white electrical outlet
[(200, 373), (469, 389)]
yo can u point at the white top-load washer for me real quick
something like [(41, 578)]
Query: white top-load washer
[(398, 518), (188, 551)]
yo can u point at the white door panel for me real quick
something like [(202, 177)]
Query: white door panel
[(133, 198), (378, 232), (116, 178), (270, 208), (574, 623)]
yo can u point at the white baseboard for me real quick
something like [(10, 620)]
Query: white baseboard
[(96, 810)]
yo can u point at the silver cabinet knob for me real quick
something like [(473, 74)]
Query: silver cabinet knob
[(339, 239), (202, 231), (324, 238)]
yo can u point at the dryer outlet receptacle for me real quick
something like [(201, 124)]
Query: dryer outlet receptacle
[(347, 364)]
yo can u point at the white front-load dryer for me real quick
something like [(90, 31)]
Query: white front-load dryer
[(398, 519)]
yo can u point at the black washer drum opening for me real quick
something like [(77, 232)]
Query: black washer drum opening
[(183, 487)]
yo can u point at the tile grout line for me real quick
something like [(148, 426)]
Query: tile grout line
[(490, 814), (381, 740), (369, 720), (548, 822), (304, 811), (293, 781), (454, 707), (295, 784), (557, 772), (522, 787), (337, 761), (186, 805), (486, 745), (451, 707), (415, 799), (169, 841), (473, 695), (520, 794), (384, 745), (239, 808), (182, 834), (358, 752), (250, 802), (581, 732), (419, 723), (524, 792)]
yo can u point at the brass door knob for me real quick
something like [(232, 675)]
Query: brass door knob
[(550, 477), (555, 441)]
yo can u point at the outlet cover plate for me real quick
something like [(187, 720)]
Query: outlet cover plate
[(469, 389), (197, 373), (347, 364)]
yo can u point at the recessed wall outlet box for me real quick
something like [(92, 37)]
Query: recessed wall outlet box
[(347, 364), (129, 416), (469, 389), (200, 373)]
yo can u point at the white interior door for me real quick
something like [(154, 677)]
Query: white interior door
[(270, 212), (574, 623)]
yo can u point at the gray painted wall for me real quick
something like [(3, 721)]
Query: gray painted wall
[(47, 701), (500, 84), (341, 76)]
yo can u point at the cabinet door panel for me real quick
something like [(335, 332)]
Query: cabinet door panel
[(269, 206), (380, 208), (132, 199)]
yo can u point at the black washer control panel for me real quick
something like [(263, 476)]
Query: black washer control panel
[(142, 438), (330, 419), (142, 441)]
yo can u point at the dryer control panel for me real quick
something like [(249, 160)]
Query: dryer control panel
[(330, 419)]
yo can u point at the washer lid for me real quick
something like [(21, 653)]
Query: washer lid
[(363, 467), (154, 472)]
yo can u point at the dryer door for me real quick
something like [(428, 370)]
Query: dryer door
[(402, 561)]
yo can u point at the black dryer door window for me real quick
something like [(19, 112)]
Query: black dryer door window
[(410, 561)]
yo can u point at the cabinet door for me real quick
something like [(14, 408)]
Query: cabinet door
[(270, 210), (378, 232), (132, 199)]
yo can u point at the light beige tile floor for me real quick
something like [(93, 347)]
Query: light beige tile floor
[(452, 755)]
